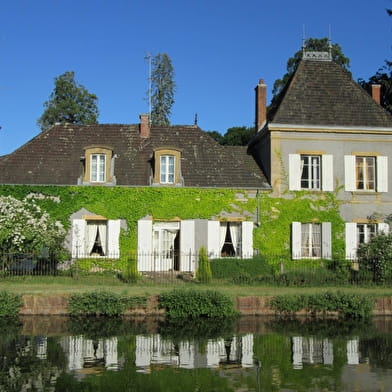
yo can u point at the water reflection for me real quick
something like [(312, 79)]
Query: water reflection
[(143, 355)]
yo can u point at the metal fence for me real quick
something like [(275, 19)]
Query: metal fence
[(171, 267)]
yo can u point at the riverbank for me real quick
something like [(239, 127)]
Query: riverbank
[(56, 305)]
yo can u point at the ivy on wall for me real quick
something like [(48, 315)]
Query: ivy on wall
[(271, 237)]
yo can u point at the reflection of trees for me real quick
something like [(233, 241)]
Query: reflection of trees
[(22, 369), (378, 350)]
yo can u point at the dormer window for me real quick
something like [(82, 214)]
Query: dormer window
[(98, 165), (167, 167)]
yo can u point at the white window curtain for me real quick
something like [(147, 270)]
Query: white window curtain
[(316, 240), (103, 235), (235, 233), (92, 229), (222, 235)]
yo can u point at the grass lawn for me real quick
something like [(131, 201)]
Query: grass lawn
[(48, 285)]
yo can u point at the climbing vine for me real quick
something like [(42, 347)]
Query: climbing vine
[(271, 237)]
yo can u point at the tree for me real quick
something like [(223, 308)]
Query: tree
[(375, 258), (69, 102), (383, 77), (162, 89), (311, 44), (235, 136)]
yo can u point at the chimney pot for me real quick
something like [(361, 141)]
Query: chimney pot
[(144, 125), (376, 93)]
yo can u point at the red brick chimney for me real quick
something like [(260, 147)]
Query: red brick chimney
[(144, 125), (261, 105), (376, 93)]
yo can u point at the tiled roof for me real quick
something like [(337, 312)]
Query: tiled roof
[(54, 157), (322, 93)]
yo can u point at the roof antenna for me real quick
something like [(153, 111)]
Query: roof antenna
[(303, 41), (330, 43), (148, 58), (195, 121)]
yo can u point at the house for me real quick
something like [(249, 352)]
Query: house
[(133, 157), (327, 137)]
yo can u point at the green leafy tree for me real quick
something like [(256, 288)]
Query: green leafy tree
[(375, 258), (162, 89), (69, 102), (383, 77), (235, 136), (311, 44)]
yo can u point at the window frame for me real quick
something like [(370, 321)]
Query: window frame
[(314, 178), (91, 177), (100, 168), (167, 171), (380, 172), (325, 171), (165, 153), (365, 173)]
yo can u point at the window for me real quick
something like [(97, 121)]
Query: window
[(311, 175), (365, 232), (310, 171), (361, 233), (98, 165), (365, 173), (311, 240), (95, 236), (167, 169), (98, 168), (368, 173)]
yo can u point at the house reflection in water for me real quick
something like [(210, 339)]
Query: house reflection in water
[(85, 353), (311, 350), (153, 350)]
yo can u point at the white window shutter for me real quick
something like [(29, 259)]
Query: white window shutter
[(294, 172), (78, 238), (213, 242), (382, 174), (351, 240), (327, 172), (113, 233), (144, 245), (349, 173), (188, 252), (383, 228), (247, 240), (296, 240), (326, 238)]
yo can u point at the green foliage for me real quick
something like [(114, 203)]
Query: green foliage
[(129, 272), (9, 304), (235, 136), (346, 304), (69, 103), (162, 89), (375, 258), (203, 272), (271, 238), (192, 304), (383, 77), (101, 303)]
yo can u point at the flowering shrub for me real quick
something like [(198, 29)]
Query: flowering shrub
[(375, 258), (25, 227)]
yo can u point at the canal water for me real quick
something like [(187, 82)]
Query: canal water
[(248, 354)]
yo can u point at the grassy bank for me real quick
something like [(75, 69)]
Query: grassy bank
[(67, 285)]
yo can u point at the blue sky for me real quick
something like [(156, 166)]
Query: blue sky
[(219, 50)]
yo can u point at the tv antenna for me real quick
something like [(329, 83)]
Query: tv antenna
[(148, 58)]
